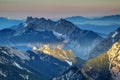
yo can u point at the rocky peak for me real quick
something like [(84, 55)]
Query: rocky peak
[(64, 27), (64, 22), (45, 49), (57, 53), (114, 61), (29, 18), (39, 24), (115, 17)]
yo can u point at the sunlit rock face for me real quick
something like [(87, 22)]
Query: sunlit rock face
[(114, 59), (104, 67), (105, 64), (64, 55)]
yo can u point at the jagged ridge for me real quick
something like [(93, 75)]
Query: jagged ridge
[(104, 67)]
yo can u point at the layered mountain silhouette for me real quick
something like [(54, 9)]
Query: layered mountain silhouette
[(81, 18), (102, 25), (6, 22), (110, 17), (45, 31), (59, 50)]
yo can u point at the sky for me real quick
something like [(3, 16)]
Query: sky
[(58, 8)]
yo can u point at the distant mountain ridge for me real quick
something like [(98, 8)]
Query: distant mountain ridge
[(44, 31), (103, 24), (76, 18), (6, 23), (109, 17)]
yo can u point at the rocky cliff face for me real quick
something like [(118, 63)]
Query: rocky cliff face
[(106, 64), (104, 67), (114, 61), (106, 44), (74, 73), (60, 54), (13, 66), (30, 65)]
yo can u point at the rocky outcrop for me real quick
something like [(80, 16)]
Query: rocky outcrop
[(106, 66), (114, 61), (106, 44), (13, 66), (60, 54)]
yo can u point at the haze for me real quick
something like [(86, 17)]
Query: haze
[(58, 8)]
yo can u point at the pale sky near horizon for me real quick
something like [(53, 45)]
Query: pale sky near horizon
[(58, 8)]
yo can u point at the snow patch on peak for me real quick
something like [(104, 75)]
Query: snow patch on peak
[(59, 35), (3, 74), (114, 34), (25, 24), (34, 48), (58, 23), (56, 33), (22, 68), (4, 52), (26, 77), (17, 65), (70, 63), (21, 55), (33, 57)]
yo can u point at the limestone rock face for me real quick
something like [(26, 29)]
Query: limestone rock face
[(106, 66), (58, 53), (114, 59)]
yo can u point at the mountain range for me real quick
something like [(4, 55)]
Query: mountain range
[(40, 31), (12, 65), (42, 49), (103, 63), (104, 67), (35, 64), (104, 45), (103, 25), (6, 22)]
